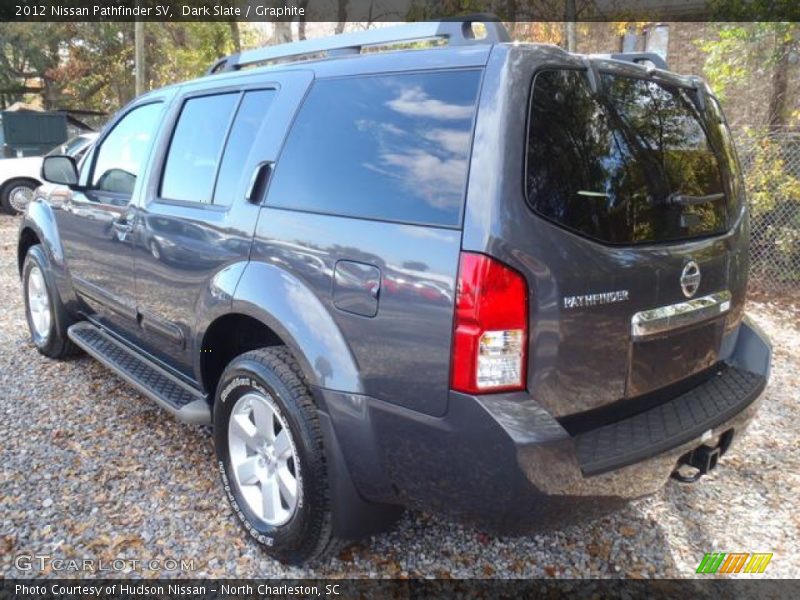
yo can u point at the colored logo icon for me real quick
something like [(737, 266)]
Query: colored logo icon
[(731, 562)]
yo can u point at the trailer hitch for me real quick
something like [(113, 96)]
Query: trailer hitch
[(702, 460)]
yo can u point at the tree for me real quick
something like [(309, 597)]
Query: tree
[(30, 61), (766, 36), (742, 49), (91, 65)]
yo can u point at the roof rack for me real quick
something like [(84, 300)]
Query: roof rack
[(641, 57), (455, 33)]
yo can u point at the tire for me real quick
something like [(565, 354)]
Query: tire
[(47, 320), (255, 383), (9, 191)]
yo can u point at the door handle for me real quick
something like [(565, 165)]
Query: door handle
[(258, 182)]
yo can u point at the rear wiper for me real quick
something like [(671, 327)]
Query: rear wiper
[(678, 199)]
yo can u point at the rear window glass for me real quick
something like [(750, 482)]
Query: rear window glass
[(248, 122), (194, 152), (631, 163), (393, 148)]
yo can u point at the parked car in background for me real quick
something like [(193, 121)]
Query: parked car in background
[(20, 176)]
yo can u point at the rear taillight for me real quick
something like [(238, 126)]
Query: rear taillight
[(491, 327)]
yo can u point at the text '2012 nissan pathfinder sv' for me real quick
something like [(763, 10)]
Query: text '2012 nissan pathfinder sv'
[(487, 278)]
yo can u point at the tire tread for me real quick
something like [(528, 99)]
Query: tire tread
[(60, 347), (280, 360)]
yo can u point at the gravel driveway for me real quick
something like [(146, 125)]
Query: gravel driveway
[(91, 469)]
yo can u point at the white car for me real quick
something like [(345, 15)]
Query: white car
[(20, 176)]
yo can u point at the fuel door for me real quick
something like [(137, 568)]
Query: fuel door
[(356, 288)]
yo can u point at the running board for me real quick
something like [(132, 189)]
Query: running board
[(180, 399)]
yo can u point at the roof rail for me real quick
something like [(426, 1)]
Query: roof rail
[(640, 57), (454, 32)]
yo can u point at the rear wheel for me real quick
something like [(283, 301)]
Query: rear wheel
[(16, 195), (271, 457), (46, 316)]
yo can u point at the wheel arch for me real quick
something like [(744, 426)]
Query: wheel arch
[(258, 303), (39, 227), (20, 179)]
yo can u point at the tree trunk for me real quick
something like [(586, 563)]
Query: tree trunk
[(236, 36), (776, 118), (301, 21), (341, 15), (138, 56), (282, 32), (569, 25)]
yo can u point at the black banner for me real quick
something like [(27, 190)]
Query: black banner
[(398, 10), (249, 589)]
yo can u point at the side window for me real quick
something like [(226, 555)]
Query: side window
[(393, 148), (196, 147), (123, 153), (249, 118)]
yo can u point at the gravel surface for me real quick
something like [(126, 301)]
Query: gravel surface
[(92, 469)]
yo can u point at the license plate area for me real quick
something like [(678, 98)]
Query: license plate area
[(661, 360)]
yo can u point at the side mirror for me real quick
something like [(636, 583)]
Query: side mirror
[(60, 169)]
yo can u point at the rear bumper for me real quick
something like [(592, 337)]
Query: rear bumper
[(505, 462)]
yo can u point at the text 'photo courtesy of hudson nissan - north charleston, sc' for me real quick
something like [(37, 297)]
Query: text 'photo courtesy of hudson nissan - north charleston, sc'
[(492, 279)]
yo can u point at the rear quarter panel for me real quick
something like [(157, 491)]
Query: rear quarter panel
[(403, 352)]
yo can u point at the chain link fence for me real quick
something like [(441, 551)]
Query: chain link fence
[(771, 169)]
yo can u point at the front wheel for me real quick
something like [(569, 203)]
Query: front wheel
[(46, 316), (271, 457)]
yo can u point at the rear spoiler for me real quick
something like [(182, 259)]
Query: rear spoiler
[(637, 58), (700, 87)]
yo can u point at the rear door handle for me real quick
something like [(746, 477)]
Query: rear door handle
[(258, 182)]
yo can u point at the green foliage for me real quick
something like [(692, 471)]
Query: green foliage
[(741, 49), (754, 10), (181, 51), (773, 190), (91, 65), (769, 180)]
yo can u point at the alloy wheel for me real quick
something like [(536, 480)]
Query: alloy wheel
[(263, 458), (38, 303)]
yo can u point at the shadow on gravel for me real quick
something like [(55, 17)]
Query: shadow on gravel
[(623, 544), (106, 474)]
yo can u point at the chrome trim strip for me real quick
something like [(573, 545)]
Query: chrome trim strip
[(654, 321)]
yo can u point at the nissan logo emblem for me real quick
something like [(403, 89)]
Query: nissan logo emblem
[(690, 279)]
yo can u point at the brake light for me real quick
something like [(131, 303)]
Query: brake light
[(491, 327)]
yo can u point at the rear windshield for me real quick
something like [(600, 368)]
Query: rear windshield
[(628, 164)]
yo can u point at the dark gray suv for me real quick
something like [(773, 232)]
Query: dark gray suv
[(487, 278)]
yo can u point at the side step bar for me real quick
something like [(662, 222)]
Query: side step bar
[(181, 400)]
